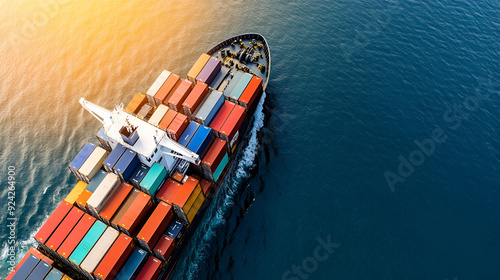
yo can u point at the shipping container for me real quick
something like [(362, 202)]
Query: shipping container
[(155, 226), (210, 107), (251, 92), (53, 222), (96, 181), (115, 258), (80, 159), (194, 99), (176, 230), (113, 157), (167, 119), (111, 207), (151, 270), (214, 155), (179, 95), (155, 87), (76, 235), (97, 253), (209, 71), (63, 230), (135, 215), (125, 206), (164, 248), (87, 243), (197, 67), (222, 115), (139, 174), (196, 207), (127, 164), (167, 88), (215, 84), (168, 191), (81, 201), (177, 127), (102, 194), (188, 133), (76, 192), (22, 272), (153, 179), (186, 197), (92, 165), (136, 103), (240, 87), (206, 186), (201, 141), (220, 168), (158, 114), (229, 130), (32, 252), (54, 274), (40, 271), (133, 265), (145, 112), (234, 81)]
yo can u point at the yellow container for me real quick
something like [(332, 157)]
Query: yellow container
[(196, 207), (192, 199), (197, 67), (76, 192)]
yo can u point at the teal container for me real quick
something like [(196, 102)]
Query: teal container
[(220, 168), (87, 243), (153, 179), (240, 87), (232, 84), (54, 275)]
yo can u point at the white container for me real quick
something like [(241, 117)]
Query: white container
[(103, 192), (156, 87), (97, 253), (92, 165), (158, 115)]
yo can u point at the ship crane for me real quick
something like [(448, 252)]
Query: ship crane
[(118, 117)]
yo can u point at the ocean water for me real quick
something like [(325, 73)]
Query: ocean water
[(374, 155)]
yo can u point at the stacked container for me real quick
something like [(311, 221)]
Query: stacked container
[(139, 209), (155, 226), (151, 270), (194, 99), (84, 247), (176, 230), (209, 71), (124, 207), (177, 127), (230, 128), (233, 82), (155, 87), (127, 164), (113, 204), (75, 236), (167, 119), (133, 265), (158, 115), (97, 253), (188, 133), (136, 103), (63, 230), (213, 159), (240, 87), (53, 222), (219, 78), (115, 258), (201, 141), (139, 174), (179, 95), (27, 264), (153, 179), (102, 194), (76, 192), (197, 67), (251, 92), (113, 157), (210, 107), (92, 165), (80, 159), (167, 89), (164, 248), (221, 116)]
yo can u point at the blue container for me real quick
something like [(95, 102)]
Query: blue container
[(113, 157), (234, 81), (24, 271), (201, 141), (96, 181), (127, 164), (80, 159), (40, 271), (219, 101), (176, 230), (188, 133), (139, 174), (133, 265), (54, 274)]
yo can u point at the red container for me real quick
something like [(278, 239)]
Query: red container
[(214, 156), (167, 88), (194, 99), (32, 251), (115, 258), (206, 186), (117, 199), (151, 270), (179, 95), (156, 225), (250, 93), (222, 115), (163, 249), (125, 206), (167, 119), (177, 127), (136, 213), (185, 192), (76, 236), (64, 228), (232, 124), (54, 220), (168, 191)]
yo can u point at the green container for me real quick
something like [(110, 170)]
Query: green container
[(87, 243), (232, 84), (220, 168), (54, 275), (153, 179), (240, 86)]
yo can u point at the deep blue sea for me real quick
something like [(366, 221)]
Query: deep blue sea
[(375, 153)]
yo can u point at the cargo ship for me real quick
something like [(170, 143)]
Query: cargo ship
[(144, 184)]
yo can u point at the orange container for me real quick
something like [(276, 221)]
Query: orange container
[(75, 236), (163, 249), (136, 103), (194, 99), (250, 93), (177, 127), (167, 119), (185, 192), (214, 156), (125, 206), (81, 201), (167, 88), (179, 95), (115, 201), (197, 67), (115, 258), (136, 213), (168, 191), (232, 124), (156, 225), (222, 115)]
